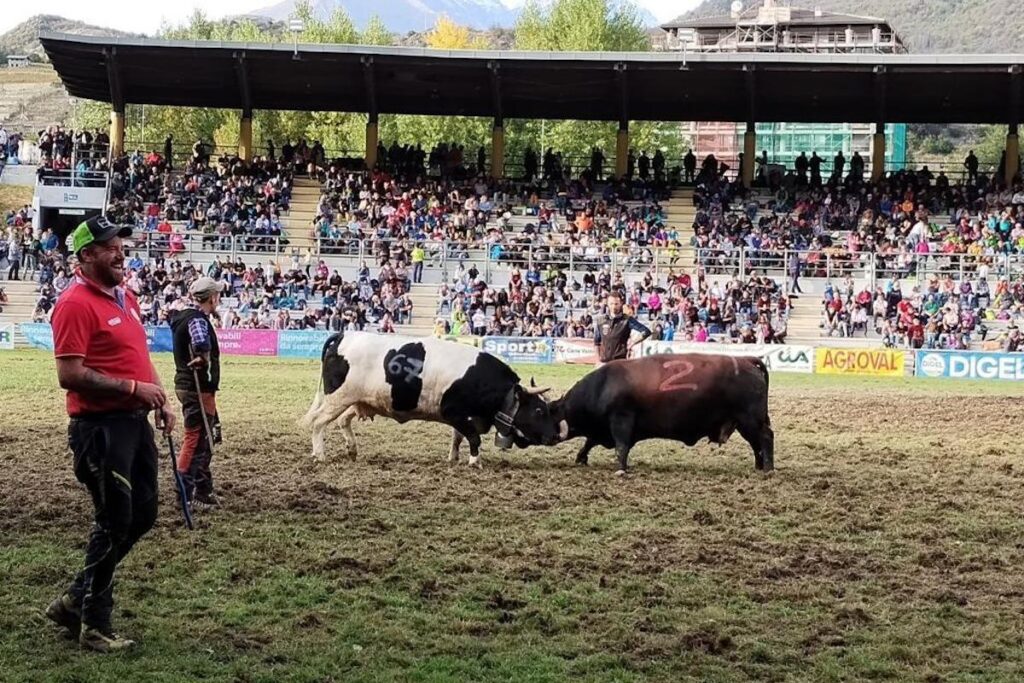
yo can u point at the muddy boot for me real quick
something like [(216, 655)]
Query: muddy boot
[(65, 613), (206, 499), (103, 639)]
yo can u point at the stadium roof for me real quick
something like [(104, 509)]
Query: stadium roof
[(611, 86)]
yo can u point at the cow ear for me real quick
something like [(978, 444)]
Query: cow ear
[(533, 383)]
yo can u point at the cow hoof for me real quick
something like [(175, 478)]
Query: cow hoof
[(352, 454), (474, 461), (452, 459), (620, 473), (582, 463)]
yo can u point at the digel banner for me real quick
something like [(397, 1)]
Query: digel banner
[(236, 342), (7, 337), (576, 351), (969, 365), (301, 343), (778, 358), (520, 349), (878, 362)]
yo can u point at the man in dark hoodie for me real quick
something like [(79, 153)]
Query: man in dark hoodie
[(197, 359)]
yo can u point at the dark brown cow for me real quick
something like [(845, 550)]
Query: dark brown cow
[(684, 397)]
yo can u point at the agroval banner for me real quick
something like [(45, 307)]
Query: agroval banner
[(877, 362)]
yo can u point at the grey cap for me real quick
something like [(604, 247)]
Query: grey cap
[(205, 287)]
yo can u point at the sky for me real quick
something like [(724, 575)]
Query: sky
[(146, 17)]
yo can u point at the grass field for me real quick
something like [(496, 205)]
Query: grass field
[(41, 73), (13, 197), (888, 545)]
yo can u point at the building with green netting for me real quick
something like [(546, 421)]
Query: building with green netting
[(771, 27)]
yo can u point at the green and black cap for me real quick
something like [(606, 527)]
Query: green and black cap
[(97, 229)]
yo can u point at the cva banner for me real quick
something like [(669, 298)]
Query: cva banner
[(778, 358)]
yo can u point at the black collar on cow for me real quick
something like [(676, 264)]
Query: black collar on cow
[(503, 418)]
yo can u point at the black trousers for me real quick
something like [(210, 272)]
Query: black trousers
[(195, 456), (115, 457)]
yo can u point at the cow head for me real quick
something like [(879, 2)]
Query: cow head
[(525, 419)]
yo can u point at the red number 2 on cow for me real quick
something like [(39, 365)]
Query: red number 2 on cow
[(673, 382)]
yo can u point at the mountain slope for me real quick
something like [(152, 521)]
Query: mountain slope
[(23, 38), (949, 26)]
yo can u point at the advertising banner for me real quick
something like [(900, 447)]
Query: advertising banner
[(39, 335), (520, 349), (969, 365), (778, 358), (877, 362), (575, 351), (247, 342), (7, 337), (159, 339), (301, 343)]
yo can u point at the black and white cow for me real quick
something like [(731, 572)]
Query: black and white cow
[(423, 378)]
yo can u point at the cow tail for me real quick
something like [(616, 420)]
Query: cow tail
[(764, 371), (318, 398), (763, 368)]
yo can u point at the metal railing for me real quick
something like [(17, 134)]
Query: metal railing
[(492, 259)]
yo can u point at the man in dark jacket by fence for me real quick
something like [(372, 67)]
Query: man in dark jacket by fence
[(196, 382)]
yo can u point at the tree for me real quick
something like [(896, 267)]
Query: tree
[(376, 33), (447, 35), (585, 25)]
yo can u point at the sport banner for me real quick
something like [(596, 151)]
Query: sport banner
[(970, 365), (7, 337), (301, 343), (575, 351), (778, 358), (520, 349), (238, 342), (877, 362)]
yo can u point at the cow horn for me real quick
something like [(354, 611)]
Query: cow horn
[(533, 383), (536, 391)]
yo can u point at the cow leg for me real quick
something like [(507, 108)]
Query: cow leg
[(457, 438), (346, 429), (622, 433), (762, 440), (326, 414), (583, 457), (474, 449)]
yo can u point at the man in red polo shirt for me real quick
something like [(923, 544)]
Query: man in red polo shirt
[(103, 363)]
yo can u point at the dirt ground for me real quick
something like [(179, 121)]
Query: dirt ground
[(889, 545)]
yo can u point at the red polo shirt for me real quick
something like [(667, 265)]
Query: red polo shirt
[(105, 328)]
